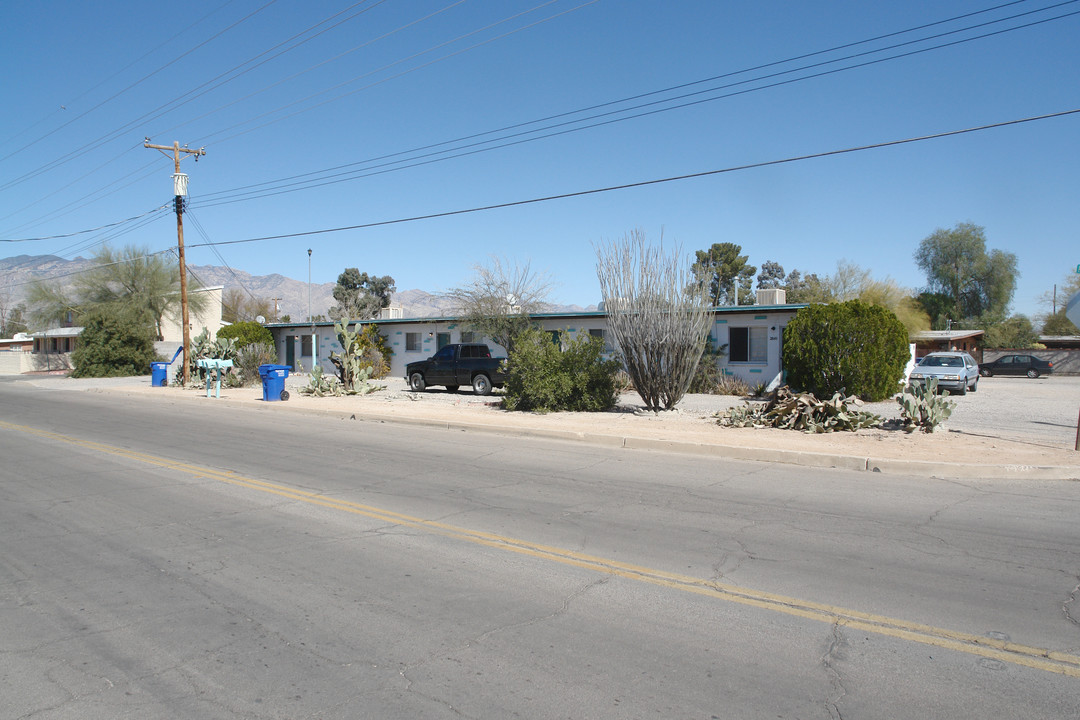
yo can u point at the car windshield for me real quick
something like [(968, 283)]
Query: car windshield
[(932, 361)]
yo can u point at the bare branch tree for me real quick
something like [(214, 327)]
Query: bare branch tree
[(501, 299), (658, 313)]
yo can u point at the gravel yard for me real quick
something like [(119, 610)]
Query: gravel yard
[(1040, 410)]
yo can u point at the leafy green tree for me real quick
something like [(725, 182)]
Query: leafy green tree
[(501, 299), (115, 342), (1054, 320), (361, 296), (807, 289), (12, 319), (958, 267), (239, 306), (726, 274), (851, 282), (1014, 332), (571, 375), (130, 279), (1058, 324), (851, 347), (246, 333), (771, 276)]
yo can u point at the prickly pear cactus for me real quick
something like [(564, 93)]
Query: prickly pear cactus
[(921, 407), (353, 372)]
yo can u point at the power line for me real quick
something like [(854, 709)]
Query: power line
[(84, 232), (141, 80), (205, 138), (235, 195), (611, 188), (644, 183), (626, 99)]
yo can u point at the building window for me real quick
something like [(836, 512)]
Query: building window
[(412, 342), (748, 344), (468, 336), (602, 334), (305, 346)]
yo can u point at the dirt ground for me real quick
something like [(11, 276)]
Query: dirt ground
[(967, 438)]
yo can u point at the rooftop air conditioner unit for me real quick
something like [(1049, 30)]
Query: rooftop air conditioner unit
[(772, 296)]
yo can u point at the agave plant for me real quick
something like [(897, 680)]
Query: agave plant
[(803, 411)]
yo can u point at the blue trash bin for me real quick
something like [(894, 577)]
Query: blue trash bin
[(273, 379), (159, 374)]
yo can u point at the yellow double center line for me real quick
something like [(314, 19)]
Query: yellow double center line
[(1027, 656)]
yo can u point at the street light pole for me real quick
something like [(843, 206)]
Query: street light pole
[(310, 318)]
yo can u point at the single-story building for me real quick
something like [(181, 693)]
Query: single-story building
[(929, 341), (752, 333), (50, 350)]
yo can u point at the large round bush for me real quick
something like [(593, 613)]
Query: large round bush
[(853, 347), (246, 333), (115, 342)]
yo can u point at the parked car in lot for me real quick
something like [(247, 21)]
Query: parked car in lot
[(457, 365), (955, 371), (1028, 365)]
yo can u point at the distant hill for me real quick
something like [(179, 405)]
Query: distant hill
[(291, 295)]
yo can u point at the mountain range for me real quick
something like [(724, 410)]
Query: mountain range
[(291, 295)]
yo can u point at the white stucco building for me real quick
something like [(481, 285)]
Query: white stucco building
[(752, 333)]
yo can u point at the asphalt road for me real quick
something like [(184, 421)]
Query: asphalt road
[(168, 561)]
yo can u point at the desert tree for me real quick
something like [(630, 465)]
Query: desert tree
[(726, 274), (658, 312), (964, 279), (127, 281), (501, 299), (361, 296), (239, 305), (12, 316)]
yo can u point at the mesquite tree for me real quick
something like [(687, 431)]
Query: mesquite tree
[(658, 313)]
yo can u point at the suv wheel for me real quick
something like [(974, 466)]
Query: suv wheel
[(416, 382)]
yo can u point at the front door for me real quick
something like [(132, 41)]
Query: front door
[(290, 350)]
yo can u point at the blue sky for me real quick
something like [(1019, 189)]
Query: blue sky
[(84, 83)]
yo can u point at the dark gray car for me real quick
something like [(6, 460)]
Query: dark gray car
[(1028, 365)]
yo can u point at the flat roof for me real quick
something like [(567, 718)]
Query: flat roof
[(725, 310), (59, 332), (945, 334)]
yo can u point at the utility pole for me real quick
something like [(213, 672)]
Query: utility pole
[(180, 191)]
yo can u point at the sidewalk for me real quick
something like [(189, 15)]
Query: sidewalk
[(954, 451)]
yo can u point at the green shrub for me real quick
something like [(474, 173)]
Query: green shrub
[(732, 385), (375, 350), (543, 376), (249, 358), (708, 375), (851, 347), (114, 343), (246, 333)]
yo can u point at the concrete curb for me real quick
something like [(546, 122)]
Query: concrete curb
[(918, 468)]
